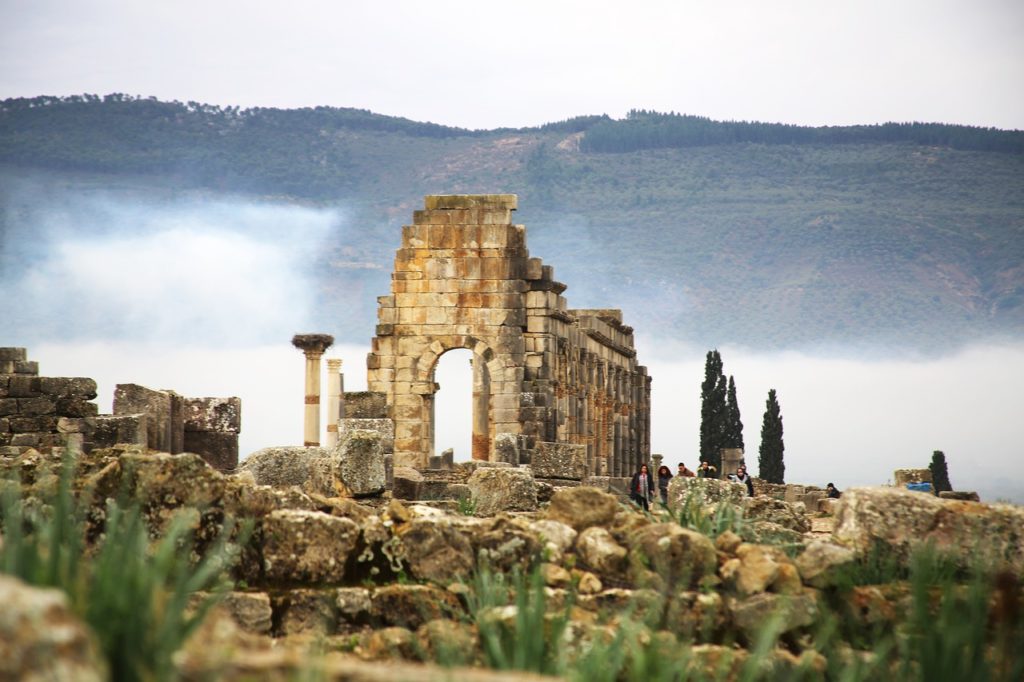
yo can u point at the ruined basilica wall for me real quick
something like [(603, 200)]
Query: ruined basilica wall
[(463, 278)]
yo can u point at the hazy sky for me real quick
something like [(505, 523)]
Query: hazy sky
[(484, 64)]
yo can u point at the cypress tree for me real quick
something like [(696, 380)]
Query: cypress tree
[(769, 462), (712, 410), (940, 474), (734, 425)]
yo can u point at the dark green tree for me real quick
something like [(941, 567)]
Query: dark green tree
[(733, 423), (940, 474), (770, 466), (713, 410)]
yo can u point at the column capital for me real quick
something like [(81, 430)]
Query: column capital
[(333, 364)]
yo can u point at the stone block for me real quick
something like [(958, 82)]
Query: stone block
[(110, 430), (412, 605), (177, 423), (219, 449), (385, 427), (559, 460), (27, 367), (75, 424), (407, 483), (307, 546), (905, 476), (500, 489), (508, 448), (250, 610), (25, 440), (41, 638), (352, 605), (11, 354), (968, 496), (902, 520), (283, 467), (8, 406), (365, 405), (304, 611), (212, 414), (42, 424), (361, 462), (68, 387), (704, 491), (133, 399), (76, 407), (20, 386), (436, 202), (794, 493)]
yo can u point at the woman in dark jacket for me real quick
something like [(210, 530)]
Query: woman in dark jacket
[(641, 488), (664, 476), (743, 477)]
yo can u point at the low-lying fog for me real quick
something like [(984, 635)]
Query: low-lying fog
[(203, 297)]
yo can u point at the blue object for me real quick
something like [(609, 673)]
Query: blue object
[(924, 487)]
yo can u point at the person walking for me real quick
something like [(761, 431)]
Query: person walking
[(683, 471), (664, 476), (641, 488), (743, 477)]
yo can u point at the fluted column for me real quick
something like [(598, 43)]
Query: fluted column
[(313, 347)]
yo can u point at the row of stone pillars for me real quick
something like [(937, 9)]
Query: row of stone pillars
[(313, 347)]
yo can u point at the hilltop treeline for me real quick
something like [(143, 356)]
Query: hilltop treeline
[(651, 130), (260, 149)]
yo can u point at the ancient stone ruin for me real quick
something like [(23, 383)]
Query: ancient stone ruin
[(47, 413), (557, 388)]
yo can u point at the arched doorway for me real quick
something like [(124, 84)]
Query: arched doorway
[(460, 405)]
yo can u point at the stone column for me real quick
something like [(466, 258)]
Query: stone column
[(333, 400), (731, 459), (313, 347)]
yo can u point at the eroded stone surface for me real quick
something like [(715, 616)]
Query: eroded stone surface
[(583, 507), (40, 638), (502, 489), (902, 520), (360, 456), (703, 491), (307, 546)]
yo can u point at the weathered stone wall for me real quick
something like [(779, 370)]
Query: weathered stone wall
[(464, 278), (42, 412), (58, 412)]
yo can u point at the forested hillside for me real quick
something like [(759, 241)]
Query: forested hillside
[(768, 235)]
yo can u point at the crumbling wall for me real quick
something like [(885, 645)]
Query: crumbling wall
[(42, 412), (543, 373), (58, 412)]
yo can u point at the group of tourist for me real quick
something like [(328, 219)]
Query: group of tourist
[(642, 486)]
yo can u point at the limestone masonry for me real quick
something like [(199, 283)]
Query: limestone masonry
[(544, 373), (57, 413)]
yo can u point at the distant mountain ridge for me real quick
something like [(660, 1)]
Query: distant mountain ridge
[(766, 235)]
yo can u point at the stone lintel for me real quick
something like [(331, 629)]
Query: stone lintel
[(316, 343), (433, 202)]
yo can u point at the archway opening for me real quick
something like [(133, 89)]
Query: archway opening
[(454, 404)]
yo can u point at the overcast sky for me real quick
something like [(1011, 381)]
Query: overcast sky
[(484, 65)]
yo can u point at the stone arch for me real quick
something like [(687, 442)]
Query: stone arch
[(552, 376), (482, 418)]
